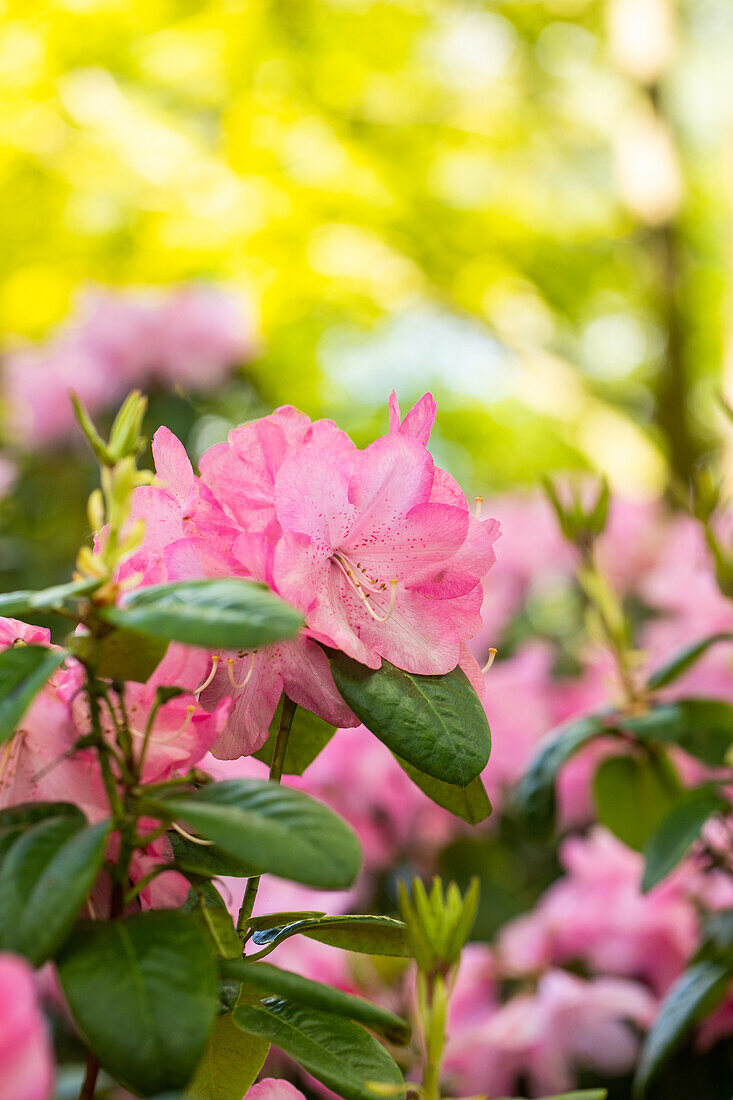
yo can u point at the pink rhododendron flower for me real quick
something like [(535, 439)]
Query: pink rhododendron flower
[(26, 1058), (189, 536), (371, 553)]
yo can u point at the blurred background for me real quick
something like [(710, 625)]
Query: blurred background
[(524, 206)]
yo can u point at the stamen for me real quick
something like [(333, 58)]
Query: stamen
[(187, 836), (214, 666), (489, 663), (359, 588), (477, 508), (390, 609), (230, 672), (190, 711)]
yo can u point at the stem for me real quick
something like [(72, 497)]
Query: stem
[(89, 1086), (276, 771), (432, 999)]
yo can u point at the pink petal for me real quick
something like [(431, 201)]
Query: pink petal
[(309, 683), (418, 422), (312, 496), (172, 464), (429, 535), (390, 477)]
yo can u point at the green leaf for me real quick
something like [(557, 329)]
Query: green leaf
[(535, 795), (274, 828), (120, 654), (692, 997), (309, 735), (27, 813), (20, 604), (470, 803), (144, 992), (270, 979), (224, 613), (24, 669), (685, 659), (364, 934), (45, 876), (435, 723), (280, 920), (206, 860), (702, 727), (633, 795), (209, 909), (670, 841), (335, 1051), (230, 1064)]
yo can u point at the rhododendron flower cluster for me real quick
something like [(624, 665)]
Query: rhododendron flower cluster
[(191, 337), (378, 548)]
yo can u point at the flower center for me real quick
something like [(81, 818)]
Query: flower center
[(366, 587)]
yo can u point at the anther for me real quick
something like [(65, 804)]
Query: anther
[(477, 508)]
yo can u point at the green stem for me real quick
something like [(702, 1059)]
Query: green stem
[(432, 999), (276, 771)]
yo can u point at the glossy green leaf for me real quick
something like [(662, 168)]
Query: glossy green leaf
[(207, 906), (27, 813), (692, 997), (671, 839), (435, 723), (45, 876), (274, 828), (335, 1051), (702, 727), (535, 795), (206, 860), (120, 654), (271, 979), (470, 803), (281, 919), (224, 613), (685, 659), (309, 735), (144, 993), (24, 670), (20, 604), (230, 1065), (633, 795), (365, 934)]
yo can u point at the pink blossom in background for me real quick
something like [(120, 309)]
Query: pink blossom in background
[(566, 1025), (273, 1088), (191, 336), (26, 1058), (596, 914)]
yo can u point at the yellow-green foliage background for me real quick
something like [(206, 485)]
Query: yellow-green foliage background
[(510, 202)]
